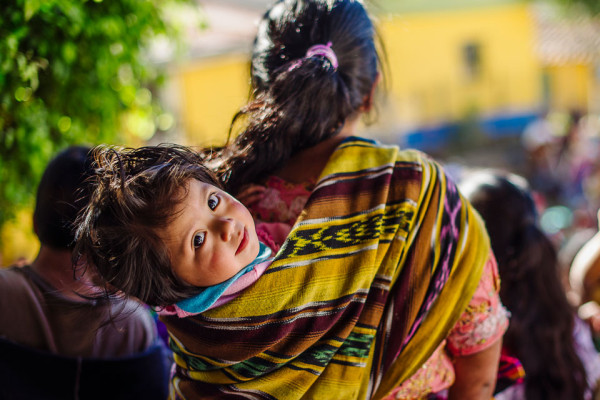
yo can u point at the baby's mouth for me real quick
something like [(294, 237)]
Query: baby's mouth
[(243, 242)]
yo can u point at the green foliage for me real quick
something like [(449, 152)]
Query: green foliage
[(70, 70), (591, 7)]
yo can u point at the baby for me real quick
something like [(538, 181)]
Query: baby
[(159, 227)]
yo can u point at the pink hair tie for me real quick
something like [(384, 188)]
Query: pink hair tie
[(324, 51), (318, 50)]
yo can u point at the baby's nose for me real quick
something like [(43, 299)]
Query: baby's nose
[(227, 228)]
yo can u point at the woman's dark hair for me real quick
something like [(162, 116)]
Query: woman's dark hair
[(540, 333), (135, 193), (299, 101)]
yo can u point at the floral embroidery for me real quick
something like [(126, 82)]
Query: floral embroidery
[(468, 341), (435, 375), (484, 320), (281, 201)]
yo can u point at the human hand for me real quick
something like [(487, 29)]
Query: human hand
[(590, 312)]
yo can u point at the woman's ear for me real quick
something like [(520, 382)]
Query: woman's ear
[(367, 104)]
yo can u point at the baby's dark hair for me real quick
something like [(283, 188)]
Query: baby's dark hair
[(135, 193), (299, 101)]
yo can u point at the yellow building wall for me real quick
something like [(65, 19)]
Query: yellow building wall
[(570, 86), (429, 80), (212, 91)]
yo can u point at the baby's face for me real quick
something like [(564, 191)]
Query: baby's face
[(212, 236)]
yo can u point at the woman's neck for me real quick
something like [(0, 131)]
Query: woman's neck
[(55, 267), (307, 165)]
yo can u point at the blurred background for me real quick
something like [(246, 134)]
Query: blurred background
[(509, 84)]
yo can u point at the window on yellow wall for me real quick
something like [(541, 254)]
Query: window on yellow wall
[(471, 56)]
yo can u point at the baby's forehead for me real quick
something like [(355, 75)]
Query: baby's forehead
[(192, 189), (184, 187), (204, 181)]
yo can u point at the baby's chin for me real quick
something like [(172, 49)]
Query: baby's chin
[(254, 242)]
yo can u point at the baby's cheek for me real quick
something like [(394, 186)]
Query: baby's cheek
[(222, 266)]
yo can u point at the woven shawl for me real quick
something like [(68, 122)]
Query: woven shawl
[(376, 271)]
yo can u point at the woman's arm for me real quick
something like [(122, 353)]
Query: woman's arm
[(475, 343), (476, 374)]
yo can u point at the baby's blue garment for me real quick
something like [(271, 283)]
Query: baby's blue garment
[(202, 301)]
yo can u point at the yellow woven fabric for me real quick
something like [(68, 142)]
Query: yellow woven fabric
[(374, 274)]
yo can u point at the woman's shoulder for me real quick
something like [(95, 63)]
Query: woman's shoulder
[(133, 326), (402, 153), (16, 282)]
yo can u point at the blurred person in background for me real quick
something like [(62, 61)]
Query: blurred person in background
[(584, 277), (46, 320), (577, 168), (540, 140), (545, 334)]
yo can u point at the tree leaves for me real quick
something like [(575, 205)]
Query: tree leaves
[(73, 72), (590, 6)]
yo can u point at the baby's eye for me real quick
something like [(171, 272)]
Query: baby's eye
[(198, 239), (213, 201)]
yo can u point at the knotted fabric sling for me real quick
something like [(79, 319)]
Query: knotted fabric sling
[(376, 271)]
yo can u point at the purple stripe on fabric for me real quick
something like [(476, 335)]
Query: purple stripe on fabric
[(400, 172), (448, 242)]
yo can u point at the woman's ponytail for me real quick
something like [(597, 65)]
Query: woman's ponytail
[(307, 103), (314, 63)]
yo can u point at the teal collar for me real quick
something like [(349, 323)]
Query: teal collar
[(207, 297)]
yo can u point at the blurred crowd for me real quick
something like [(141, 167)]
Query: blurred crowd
[(563, 169), (563, 164)]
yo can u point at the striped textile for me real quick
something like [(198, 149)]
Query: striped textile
[(510, 372), (374, 274)]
